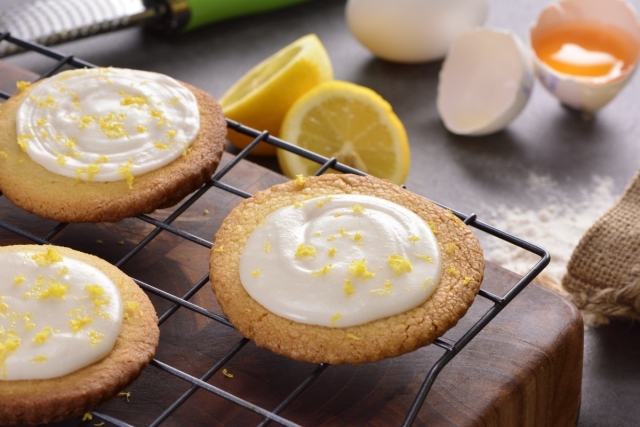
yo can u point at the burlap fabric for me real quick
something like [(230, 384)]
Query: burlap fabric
[(603, 274)]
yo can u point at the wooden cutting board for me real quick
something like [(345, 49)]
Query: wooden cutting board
[(523, 369)]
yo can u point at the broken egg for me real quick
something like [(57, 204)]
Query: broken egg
[(585, 51), (412, 31), (485, 82)]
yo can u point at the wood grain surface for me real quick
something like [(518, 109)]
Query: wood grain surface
[(523, 369)]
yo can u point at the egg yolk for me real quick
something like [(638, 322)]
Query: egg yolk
[(586, 49)]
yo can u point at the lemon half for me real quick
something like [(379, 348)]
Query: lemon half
[(262, 97), (349, 122)]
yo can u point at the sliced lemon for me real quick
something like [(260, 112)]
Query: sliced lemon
[(262, 97), (349, 122)]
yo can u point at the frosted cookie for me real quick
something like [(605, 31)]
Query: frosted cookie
[(74, 331), (343, 269), (104, 144)]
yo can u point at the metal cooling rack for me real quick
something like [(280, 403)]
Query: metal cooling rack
[(450, 350)]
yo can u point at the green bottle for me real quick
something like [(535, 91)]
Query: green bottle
[(187, 15)]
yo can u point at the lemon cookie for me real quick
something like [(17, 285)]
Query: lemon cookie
[(74, 330), (104, 144), (343, 269)]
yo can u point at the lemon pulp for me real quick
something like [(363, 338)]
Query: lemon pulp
[(261, 98), (349, 122)]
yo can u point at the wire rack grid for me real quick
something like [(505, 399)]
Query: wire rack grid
[(177, 303)]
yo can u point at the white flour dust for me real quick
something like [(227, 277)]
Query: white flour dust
[(557, 226)]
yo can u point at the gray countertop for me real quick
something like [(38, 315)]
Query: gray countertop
[(468, 174)]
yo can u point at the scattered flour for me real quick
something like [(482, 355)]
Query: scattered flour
[(557, 227)]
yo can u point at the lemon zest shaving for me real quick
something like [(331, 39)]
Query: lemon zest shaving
[(125, 170), (43, 335), (48, 103), (7, 347), (47, 258), (424, 257), (95, 338), (22, 85), (386, 291), (323, 271), (22, 140), (131, 308), (39, 358), (353, 337), (399, 264), (432, 226), (299, 181), (125, 394), (335, 318), (3, 307), (348, 287), (97, 295), (227, 373), (79, 322), (359, 269), (55, 290), (305, 251), (135, 100), (157, 114), (111, 127), (76, 100), (26, 317)]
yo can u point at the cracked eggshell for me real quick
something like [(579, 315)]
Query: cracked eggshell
[(412, 31), (585, 93), (485, 82)]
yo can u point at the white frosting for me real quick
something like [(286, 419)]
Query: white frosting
[(45, 337), (297, 287), (106, 124)]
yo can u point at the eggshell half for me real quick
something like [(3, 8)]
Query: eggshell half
[(585, 93), (485, 82)]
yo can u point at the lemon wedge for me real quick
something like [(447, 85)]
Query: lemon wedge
[(262, 97), (349, 122)]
